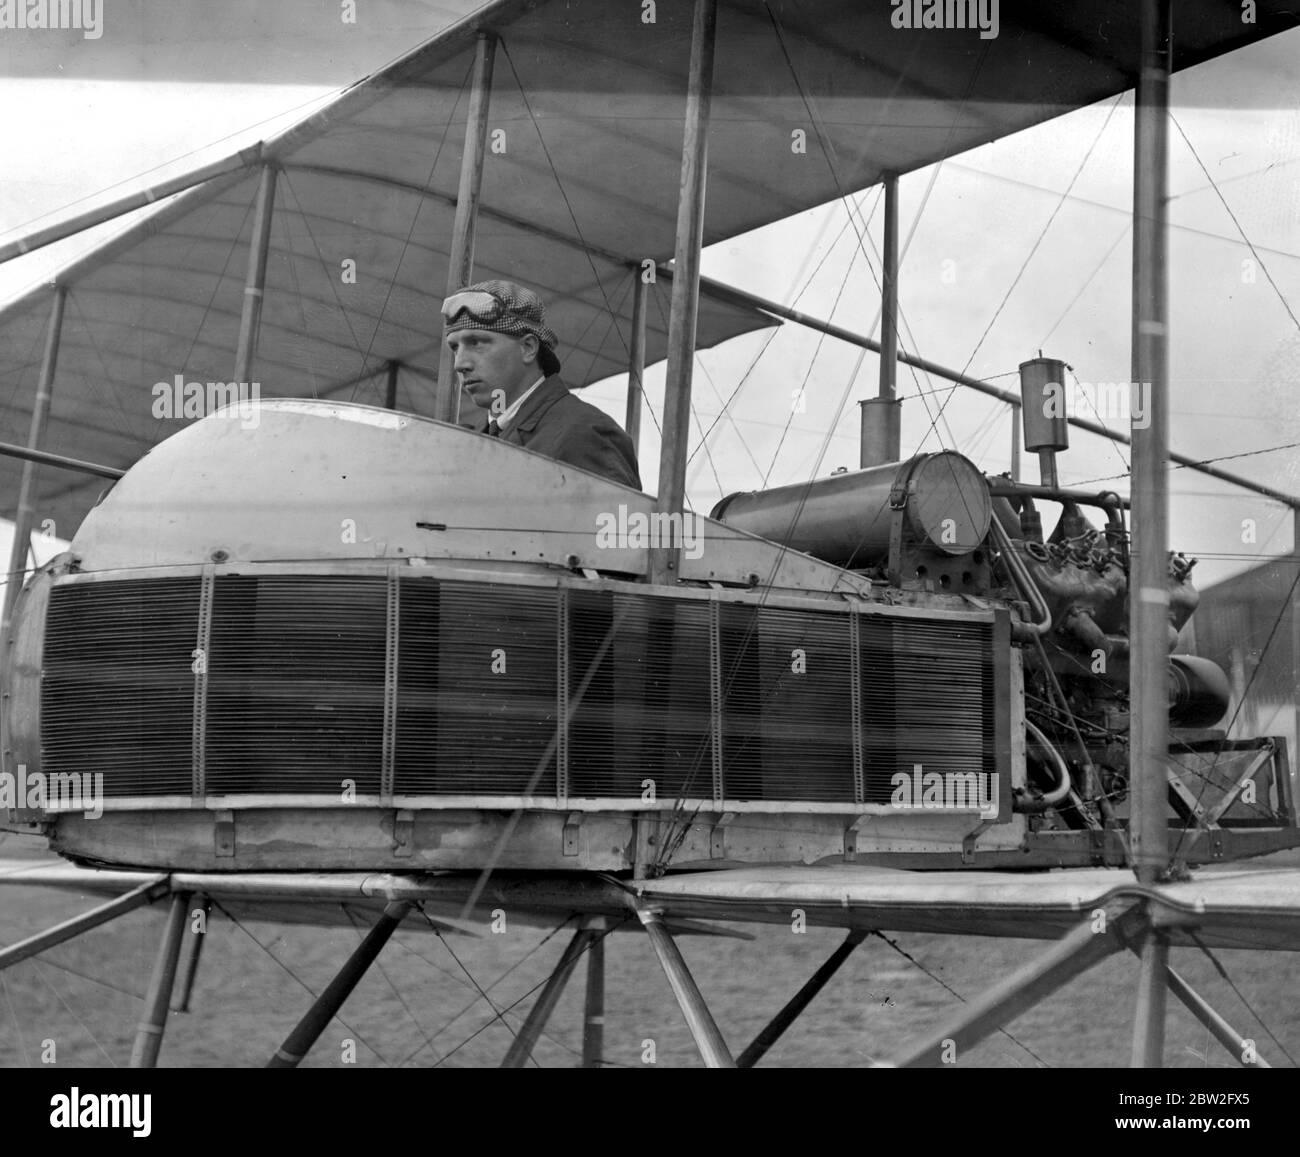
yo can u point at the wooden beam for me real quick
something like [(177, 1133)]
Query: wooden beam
[(250, 319), (157, 1001), (682, 314), (305, 1034), (1152, 995), (712, 1046), (1149, 585), (460, 262), (636, 362)]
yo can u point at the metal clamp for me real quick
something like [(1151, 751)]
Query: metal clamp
[(403, 833), (223, 835)]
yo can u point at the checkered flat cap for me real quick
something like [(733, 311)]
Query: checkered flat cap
[(523, 313)]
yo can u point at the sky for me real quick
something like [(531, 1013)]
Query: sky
[(1018, 246)]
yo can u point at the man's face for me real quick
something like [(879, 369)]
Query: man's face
[(488, 362)]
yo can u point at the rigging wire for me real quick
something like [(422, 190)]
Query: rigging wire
[(1233, 216), (71, 1012), (944, 984), (1034, 248), (379, 963), (410, 232), (573, 217), (497, 1013), (18, 1028), (1240, 995), (526, 956)]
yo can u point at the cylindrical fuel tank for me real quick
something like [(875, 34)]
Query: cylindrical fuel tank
[(846, 519)]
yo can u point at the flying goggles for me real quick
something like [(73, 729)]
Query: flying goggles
[(478, 303)]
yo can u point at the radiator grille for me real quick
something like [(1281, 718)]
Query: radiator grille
[(927, 698), (477, 689), (117, 689), (295, 684), (295, 699)]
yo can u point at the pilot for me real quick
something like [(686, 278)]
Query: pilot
[(505, 356)]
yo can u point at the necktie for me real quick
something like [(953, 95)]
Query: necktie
[(494, 429)]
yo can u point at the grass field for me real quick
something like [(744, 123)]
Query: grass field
[(418, 1007)]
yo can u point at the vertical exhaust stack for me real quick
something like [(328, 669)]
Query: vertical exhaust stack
[(1042, 409), (881, 431)]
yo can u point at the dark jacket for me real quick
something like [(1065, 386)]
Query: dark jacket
[(555, 423)]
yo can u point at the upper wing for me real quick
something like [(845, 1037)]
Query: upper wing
[(580, 187)]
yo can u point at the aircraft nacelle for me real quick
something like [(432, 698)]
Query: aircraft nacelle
[(342, 637)]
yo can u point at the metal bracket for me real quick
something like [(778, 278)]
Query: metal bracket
[(1189, 801), (403, 833), (223, 835), (851, 838), (1097, 846), (968, 841), (572, 830), (718, 837)]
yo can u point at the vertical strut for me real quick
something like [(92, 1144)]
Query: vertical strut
[(1149, 598), (881, 432), (460, 260), (250, 320), (149, 1033), (593, 1014), (1149, 1019), (1015, 442), (636, 362), (682, 315)]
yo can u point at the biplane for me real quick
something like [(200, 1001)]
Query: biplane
[(318, 649)]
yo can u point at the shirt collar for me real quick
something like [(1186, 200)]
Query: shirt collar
[(504, 420)]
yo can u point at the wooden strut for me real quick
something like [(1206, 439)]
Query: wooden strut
[(704, 1030), (157, 1001), (1149, 585), (684, 307), (460, 259), (521, 1048), (593, 1013), (636, 361), (194, 946), (773, 1031), (136, 898), (307, 1031), (259, 245)]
